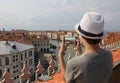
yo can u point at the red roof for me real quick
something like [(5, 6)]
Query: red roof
[(57, 78), (116, 56)]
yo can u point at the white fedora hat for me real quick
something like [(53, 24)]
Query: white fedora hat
[(91, 26)]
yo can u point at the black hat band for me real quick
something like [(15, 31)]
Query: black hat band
[(89, 34)]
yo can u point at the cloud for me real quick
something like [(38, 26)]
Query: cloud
[(54, 14)]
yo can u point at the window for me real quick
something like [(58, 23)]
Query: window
[(13, 60), (16, 59), (14, 72), (14, 78), (25, 55), (47, 49), (26, 63), (0, 62), (41, 50), (21, 65), (13, 67), (30, 62), (21, 56), (17, 76), (13, 56), (0, 73), (16, 65), (44, 50), (30, 53), (17, 70), (7, 61)]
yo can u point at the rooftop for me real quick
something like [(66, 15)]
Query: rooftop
[(116, 57), (57, 78), (10, 47)]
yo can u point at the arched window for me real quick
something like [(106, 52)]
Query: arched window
[(21, 65), (30, 53), (0, 62), (41, 50), (47, 49), (21, 56), (44, 50), (0, 73), (25, 55), (7, 61)]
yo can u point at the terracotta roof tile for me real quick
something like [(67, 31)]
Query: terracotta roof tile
[(116, 56), (57, 78)]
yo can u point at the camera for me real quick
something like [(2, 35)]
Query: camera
[(70, 40)]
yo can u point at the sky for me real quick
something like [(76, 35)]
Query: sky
[(55, 14)]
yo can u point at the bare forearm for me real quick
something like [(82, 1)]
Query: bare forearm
[(62, 65), (62, 50)]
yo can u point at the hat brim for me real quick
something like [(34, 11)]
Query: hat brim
[(89, 37)]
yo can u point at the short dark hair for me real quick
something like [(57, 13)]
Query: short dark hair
[(92, 41)]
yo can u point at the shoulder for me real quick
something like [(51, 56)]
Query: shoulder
[(77, 60), (106, 53)]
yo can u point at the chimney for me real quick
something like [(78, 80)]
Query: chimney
[(6, 77)]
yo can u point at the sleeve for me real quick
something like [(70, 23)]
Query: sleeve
[(69, 74)]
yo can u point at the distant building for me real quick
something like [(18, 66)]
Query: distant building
[(19, 31), (37, 32), (13, 55), (49, 34), (41, 43), (55, 36), (69, 34)]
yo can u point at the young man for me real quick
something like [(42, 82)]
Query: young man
[(95, 64)]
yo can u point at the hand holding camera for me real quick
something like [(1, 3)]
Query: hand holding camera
[(70, 40), (67, 41)]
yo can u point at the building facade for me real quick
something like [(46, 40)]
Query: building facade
[(55, 36), (13, 55), (41, 43), (37, 32)]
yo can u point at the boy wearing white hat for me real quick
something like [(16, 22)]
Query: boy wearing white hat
[(95, 64)]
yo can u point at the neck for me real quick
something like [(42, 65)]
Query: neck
[(92, 48)]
